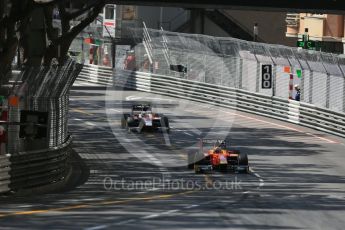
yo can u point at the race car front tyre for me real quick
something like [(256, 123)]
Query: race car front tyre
[(141, 126), (123, 123), (191, 160), (165, 123), (131, 122), (243, 162), (197, 158), (197, 169)]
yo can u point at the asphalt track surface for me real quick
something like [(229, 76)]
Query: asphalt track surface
[(140, 181)]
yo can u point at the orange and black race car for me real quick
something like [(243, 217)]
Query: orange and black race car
[(217, 155)]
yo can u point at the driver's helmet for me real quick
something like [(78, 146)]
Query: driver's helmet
[(222, 145), (218, 150)]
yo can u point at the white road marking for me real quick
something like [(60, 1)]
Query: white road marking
[(97, 227), (159, 214), (281, 126), (192, 206), (125, 222), (262, 182), (171, 211), (103, 226), (179, 130), (192, 129), (133, 98), (115, 110), (275, 124), (150, 216), (188, 134), (90, 123)]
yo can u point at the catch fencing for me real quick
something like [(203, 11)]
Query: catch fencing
[(238, 64)]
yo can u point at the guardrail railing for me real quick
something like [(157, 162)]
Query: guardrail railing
[(274, 107), (34, 135), (34, 168)]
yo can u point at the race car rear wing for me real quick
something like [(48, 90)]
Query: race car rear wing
[(142, 107), (215, 142)]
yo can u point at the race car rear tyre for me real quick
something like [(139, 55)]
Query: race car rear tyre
[(124, 121), (223, 167), (243, 159)]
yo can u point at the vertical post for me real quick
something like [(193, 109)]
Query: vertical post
[(240, 80), (160, 18), (113, 53), (19, 64), (255, 32), (343, 77), (291, 87), (13, 130), (302, 85), (59, 51), (274, 79), (257, 80), (82, 50), (222, 73), (311, 80), (343, 95), (328, 90), (99, 53)]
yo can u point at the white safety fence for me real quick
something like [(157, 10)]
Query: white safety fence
[(96, 74), (274, 107), (237, 63), (301, 113)]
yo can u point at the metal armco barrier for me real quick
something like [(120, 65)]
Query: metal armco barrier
[(36, 158), (31, 169), (96, 74), (274, 107)]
